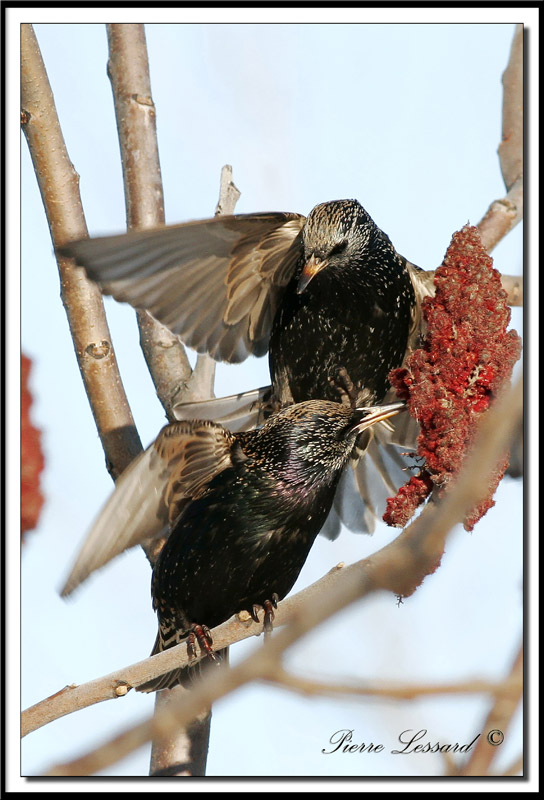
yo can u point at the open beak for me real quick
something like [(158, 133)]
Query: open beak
[(378, 414), (311, 268)]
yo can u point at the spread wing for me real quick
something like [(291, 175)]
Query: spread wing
[(216, 283), (153, 490)]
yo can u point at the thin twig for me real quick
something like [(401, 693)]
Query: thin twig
[(498, 719), (288, 680), (59, 187)]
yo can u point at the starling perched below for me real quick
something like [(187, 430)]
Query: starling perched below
[(328, 295), (242, 509)]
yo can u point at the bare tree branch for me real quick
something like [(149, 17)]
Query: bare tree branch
[(511, 147), (401, 691), (165, 355), (399, 567), (184, 752), (59, 187), (229, 194), (504, 214), (128, 70), (499, 718), (513, 286)]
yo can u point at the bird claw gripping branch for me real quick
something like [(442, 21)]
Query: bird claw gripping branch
[(268, 606), (201, 633)]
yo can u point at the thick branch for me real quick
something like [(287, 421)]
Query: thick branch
[(399, 567), (501, 216), (128, 70), (59, 187), (184, 752), (165, 355), (504, 214), (511, 147)]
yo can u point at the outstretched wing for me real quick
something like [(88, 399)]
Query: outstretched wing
[(216, 283), (153, 490)]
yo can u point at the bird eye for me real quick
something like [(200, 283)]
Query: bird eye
[(339, 248)]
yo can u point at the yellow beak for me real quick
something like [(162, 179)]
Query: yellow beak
[(378, 414), (311, 268)]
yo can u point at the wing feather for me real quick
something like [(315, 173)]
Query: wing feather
[(152, 492), (215, 283)]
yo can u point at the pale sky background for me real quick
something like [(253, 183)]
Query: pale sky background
[(405, 118)]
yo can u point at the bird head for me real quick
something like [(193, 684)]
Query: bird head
[(333, 233), (312, 441)]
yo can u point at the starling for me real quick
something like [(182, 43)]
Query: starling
[(328, 295), (242, 511)]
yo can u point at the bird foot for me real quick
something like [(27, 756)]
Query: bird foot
[(269, 606), (345, 387), (201, 633)]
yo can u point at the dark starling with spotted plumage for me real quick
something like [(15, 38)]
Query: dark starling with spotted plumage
[(242, 511), (328, 295)]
